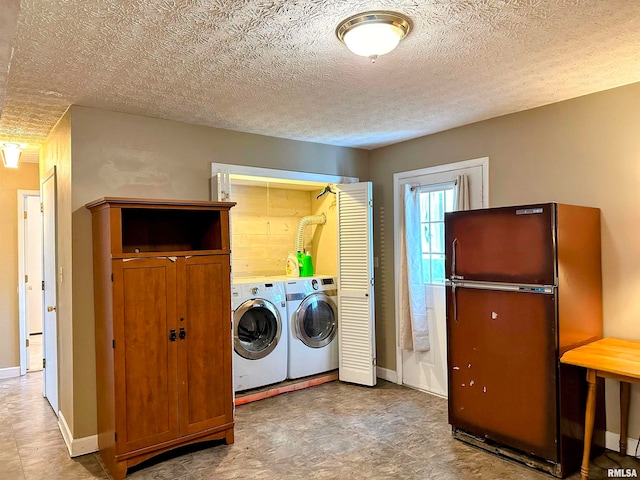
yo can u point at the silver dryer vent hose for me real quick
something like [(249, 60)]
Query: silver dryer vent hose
[(304, 221)]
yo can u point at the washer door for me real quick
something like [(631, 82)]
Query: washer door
[(315, 320), (257, 327)]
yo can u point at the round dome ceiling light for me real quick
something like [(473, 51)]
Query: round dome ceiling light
[(371, 34)]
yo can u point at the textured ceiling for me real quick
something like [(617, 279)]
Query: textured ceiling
[(276, 68)]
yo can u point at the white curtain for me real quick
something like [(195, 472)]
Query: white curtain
[(462, 192), (414, 331)]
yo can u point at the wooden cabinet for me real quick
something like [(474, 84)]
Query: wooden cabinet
[(163, 326)]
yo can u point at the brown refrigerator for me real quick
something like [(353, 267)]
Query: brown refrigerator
[(524, 286)]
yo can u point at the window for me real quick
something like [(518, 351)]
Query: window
[(435, 200)]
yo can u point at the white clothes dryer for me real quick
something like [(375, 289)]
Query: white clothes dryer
[(259, 333), (313, 326)]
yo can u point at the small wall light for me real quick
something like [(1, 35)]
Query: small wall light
[(11, 154), (371, 34)]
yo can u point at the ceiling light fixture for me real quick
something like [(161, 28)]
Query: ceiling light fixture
[(371, 34), (11, 154)]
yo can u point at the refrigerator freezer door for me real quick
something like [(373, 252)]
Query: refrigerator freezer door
[(509, 244), (502, 368)]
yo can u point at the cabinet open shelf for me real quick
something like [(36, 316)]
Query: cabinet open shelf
[(143, 227), (157, 230)]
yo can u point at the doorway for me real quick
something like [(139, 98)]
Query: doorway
[(30, 280), (427, 370)]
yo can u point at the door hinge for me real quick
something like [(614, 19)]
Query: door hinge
[(371, 282), (115, 436), (44, 363), (371, 203), (112, 277), (25, 214), (43, 285), (27, 342), (26, 279), (113, 344), (374, 362), (42, 207)]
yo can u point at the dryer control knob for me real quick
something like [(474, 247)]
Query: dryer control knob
[(254, 290), (314, 284)]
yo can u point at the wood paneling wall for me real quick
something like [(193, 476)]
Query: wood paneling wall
[(263, 228)]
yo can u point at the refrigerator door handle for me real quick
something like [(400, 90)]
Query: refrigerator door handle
[(454, 276), (454, 300)]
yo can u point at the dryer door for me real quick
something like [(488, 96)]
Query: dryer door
[(257, 328), (315, 320)]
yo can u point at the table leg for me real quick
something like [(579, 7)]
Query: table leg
[(589, 418), (624, 416)]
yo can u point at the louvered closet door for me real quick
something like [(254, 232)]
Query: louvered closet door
[(356, 321)]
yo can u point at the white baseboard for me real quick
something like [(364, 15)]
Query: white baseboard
[(76, 446), (386, 374), (612, 442), (10, 372)]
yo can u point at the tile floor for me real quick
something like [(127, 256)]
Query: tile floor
[(332, 431)]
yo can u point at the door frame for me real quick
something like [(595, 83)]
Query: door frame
[(22, 293), (398, 179)]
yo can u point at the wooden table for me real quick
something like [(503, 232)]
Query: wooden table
[(608, 358)]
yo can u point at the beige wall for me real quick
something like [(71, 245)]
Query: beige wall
[(116, 154), (25, 177), (584, 151)]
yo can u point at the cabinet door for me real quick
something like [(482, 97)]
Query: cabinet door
[(145, 357), (204, 365)]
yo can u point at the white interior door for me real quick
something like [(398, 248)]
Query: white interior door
[(33, 267), (356, 320), (428, 370), (50, 317)]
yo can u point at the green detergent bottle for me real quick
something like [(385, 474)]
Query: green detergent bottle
[(306, 264)]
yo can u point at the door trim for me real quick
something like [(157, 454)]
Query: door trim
[(220, 188), (22, 294), (398, 179)]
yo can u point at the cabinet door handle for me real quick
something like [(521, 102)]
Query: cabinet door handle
[(172, 335), (182, 334)]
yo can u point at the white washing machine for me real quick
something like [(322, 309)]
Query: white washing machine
[(313, 325), (259, 333)]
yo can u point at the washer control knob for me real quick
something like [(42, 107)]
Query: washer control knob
[(254, 290), (314, 284)]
